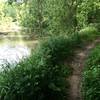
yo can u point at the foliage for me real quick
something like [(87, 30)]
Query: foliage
[(94, 58), (59, 47), (88, 33), (89, 30), (7, 12), (91, 76), (31, 15), (93, 16), (96, 25), (43, 16), (41, 76), (50, 16), (53, 16), (46, 17), (84, 11)]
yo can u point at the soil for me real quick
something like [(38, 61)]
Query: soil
[(77, 65)]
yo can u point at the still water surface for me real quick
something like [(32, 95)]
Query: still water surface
[(12, 52)]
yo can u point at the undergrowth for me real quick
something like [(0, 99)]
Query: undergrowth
[(91, 76), (43, 75)]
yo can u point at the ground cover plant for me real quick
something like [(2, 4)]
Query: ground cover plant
[(63, 26), (41, 76), (89, 33), (91, 76)]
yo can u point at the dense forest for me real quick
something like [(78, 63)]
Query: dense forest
[(64, 63)]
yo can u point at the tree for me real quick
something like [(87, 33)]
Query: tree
[(56, 16), (85, 9), (32, 15)]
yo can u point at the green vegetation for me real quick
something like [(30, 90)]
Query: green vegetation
[(52, 16), (91, 76), (41, 76), (63, 26), (88, 34)]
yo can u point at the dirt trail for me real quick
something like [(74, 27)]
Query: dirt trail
[(77, 65)]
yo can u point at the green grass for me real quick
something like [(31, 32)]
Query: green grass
[(43, 75), (91, 76), (89, 34)]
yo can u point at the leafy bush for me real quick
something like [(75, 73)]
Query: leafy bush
[(41, 76), (91, 76), (58, 48), (94, 58), (28, 82), (91, 83), (94, 15), (96, 25), (47, 17), (88, 14), (88, 30), (89, 33)]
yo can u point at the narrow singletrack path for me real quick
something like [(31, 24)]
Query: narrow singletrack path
[(77, 65)]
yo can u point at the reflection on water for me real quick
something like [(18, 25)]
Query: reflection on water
[(12, 53), (14, 45)]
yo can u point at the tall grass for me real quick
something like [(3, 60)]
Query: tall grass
[(43, 75), (91, 76)]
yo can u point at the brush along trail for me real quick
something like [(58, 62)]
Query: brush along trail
[(77, 65)]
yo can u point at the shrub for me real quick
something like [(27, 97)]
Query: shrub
[(96, 25), (29, 82), (91, 83), (88, 30), (57, 48), (94, 58), (91, 76), (41, 76), (88, 34)]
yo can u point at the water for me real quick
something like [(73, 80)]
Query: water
[(13, 52), (13, 46)]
